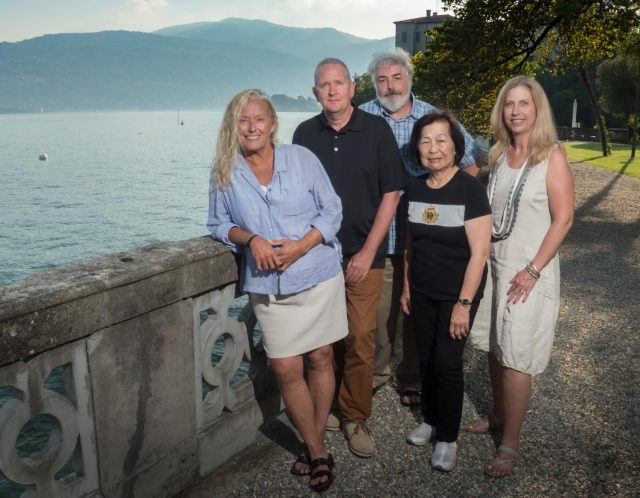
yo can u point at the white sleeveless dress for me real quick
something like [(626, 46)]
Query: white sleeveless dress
[(520, 335)]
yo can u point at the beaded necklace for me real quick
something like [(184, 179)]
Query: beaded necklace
[(510, 211)]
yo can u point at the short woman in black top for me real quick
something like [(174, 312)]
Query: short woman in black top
[(445, 268)]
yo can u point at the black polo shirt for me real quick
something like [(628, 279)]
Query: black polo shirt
[(364, 163)]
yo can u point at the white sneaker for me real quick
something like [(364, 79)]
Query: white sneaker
[(444, 456), (420, 435)]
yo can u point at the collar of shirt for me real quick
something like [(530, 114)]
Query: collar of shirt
[(355, 123), (418, 108), (279, 166)]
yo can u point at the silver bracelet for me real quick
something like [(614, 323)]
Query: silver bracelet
[(532, 271)]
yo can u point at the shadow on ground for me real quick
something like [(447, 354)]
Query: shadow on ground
[(580, 436)]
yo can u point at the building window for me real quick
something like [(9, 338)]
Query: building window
[(403, 36), (417, 36)]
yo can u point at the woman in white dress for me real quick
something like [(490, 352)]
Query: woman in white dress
[(532, 200)]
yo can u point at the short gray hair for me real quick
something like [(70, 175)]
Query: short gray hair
[(398, 56), (330, 60)]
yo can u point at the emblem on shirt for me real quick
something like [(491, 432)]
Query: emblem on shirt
[(430, 215)]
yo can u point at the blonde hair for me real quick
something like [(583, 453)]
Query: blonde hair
[(543, 135), (228, 144)]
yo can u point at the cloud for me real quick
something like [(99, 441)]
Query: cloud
[(147, 6)]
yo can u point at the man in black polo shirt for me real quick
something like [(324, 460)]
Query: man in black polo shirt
[(361, 157)]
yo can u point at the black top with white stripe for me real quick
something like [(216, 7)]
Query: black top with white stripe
[(439, 241)]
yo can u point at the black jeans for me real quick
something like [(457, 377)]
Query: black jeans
[(440, 359)]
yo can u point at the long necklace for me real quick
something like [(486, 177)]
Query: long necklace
[(510, 211)]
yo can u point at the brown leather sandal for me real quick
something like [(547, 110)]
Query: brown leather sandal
[(483, 425)]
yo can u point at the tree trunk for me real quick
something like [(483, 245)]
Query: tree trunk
[(604, 140), (636, 109)]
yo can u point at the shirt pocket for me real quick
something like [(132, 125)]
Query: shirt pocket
[(296, 202), (249, 211)]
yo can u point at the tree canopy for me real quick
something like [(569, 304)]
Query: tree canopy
[(618, 80), (365, 91), (563, 89), (284, 103), (467, 61)]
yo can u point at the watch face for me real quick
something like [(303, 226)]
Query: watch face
[(465, 302)]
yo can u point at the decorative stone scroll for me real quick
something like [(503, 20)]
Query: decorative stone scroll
[(72, 434), (212, 321)]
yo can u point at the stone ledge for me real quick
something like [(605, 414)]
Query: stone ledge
[(65, 283), (54, 307)]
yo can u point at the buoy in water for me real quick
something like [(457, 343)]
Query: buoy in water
[(43, 156)]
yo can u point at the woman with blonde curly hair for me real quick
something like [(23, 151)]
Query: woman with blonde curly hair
[(531, 194), (275, 205)]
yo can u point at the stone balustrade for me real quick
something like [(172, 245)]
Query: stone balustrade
[(126, 375)]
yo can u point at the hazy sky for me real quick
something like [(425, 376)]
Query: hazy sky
[(22, 19)]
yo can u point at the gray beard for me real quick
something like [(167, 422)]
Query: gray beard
[(394, 105)]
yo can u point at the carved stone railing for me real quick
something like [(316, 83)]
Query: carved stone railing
[(127, 375)]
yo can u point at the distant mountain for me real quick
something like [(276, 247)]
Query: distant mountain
[(191, 66), (308, 43)]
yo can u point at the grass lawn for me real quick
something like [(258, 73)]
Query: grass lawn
[(619, 160)]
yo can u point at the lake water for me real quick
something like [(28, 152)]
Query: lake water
[(113, 181)]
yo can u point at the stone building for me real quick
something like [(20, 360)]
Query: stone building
[(410, 33)]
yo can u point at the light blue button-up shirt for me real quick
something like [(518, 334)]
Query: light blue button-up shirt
[(298, 197), (402, 129)]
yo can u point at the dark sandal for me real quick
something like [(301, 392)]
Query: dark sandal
[(410, 397), (322, 485), (303, 459)]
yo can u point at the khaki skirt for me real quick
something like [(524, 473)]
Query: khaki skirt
[(294, 324)]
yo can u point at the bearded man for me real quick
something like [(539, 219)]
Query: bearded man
[(392, 73)]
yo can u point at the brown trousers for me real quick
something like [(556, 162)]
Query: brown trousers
[(390, 318), (354, 355)]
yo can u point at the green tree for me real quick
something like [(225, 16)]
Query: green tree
[(632, 49), (365, 91), (618, 80), (284, 103), (468, 60), (562, 89)]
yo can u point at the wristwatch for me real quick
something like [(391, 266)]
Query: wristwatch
[(465, 302)]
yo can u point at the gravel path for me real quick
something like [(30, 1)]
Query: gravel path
[(579, 438)]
